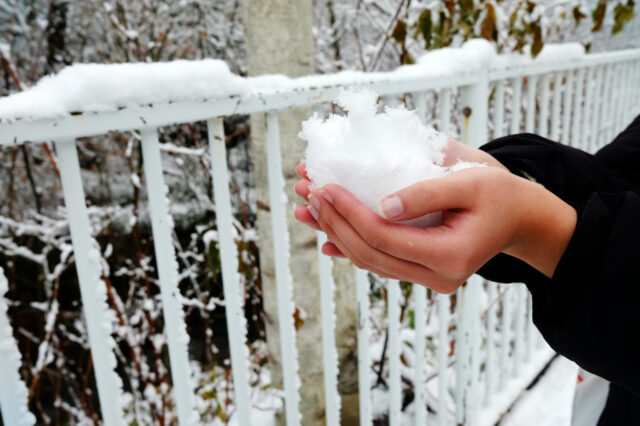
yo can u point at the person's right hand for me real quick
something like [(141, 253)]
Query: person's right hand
[(485, 211), (455, 151), (458, 151), (302, 212)]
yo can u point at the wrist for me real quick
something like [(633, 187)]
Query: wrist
[(545, 227)]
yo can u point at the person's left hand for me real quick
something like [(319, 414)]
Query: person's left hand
[(454, 152), (485, 211)]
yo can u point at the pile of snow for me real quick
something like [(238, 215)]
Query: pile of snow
[(550, 54), (83, 88), (373, 154), (108, 87)]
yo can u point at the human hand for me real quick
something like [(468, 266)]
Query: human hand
[(454, 152), (458, 151), (303, 214), (485, 211)]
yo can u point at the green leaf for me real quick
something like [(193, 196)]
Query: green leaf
[(466, 7), (598, 15), (578, 15), (487, 28), (621, 15), (399, 33), (442, 37), (513, 18), (450, 5), (425, 26), (537, 45), (407, 58)]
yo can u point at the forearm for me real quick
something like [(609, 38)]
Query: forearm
[(545, 229)]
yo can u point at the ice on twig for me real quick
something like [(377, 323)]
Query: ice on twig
[(373, 154)]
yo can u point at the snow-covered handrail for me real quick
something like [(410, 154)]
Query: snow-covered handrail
[(565, 94), (91, 99)]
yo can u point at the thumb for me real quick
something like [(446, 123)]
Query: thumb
[(429, 196)]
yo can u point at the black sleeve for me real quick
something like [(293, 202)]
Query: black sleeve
[(571, 174), (621, 157), (589, 311)]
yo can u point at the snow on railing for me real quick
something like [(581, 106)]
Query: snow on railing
[(583, 100)]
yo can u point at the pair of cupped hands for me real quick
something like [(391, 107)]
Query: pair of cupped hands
[(485, 211)]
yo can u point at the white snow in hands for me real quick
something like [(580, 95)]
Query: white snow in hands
[(373, 155)]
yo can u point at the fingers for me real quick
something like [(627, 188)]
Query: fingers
[(301, 170), (303, 215), (397, 240), (302, 188), (331, 249), (340, 246), (433, 248), (454, 191), (364, 255)]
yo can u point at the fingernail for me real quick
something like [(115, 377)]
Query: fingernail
[(326, 195), (314, 201), (391, 207), (313, 211)]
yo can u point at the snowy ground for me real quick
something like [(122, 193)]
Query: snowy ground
[(549, 402)]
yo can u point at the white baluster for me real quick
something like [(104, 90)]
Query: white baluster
[(567, 107), (286, 308), (555, 108), (233, 292), (175, 327), (364, 360), (543, 122), (443, 351), (420, 320), (531, 104), (498, 126), (92, 288), (329, 351), (395, 384)]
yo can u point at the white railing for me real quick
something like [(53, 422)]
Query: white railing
[(498, 351)]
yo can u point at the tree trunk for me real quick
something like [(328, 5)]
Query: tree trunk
[(279, 40), (56, 29)]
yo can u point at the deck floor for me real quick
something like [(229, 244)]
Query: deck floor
[(549, 401)]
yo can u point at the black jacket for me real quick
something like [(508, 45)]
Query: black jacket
[(589, 311)]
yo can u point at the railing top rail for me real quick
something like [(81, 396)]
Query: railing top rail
[(319, 89), (590, 60)]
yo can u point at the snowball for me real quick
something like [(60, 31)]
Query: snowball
[(373, 155)]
